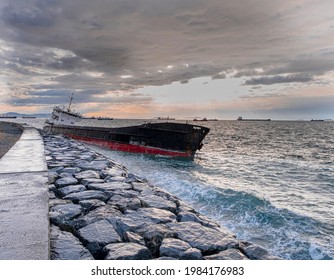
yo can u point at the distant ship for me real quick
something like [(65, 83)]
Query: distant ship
[(104, 118), (317, 120), (256, 120), (168, 138), (28, 117), (204, 120), (166, 118)]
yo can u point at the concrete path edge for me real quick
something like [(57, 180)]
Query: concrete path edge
[(24, 221)]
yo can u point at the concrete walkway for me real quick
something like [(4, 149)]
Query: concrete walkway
[(24, 223)]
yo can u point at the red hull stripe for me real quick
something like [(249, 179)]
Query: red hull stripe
[(130, 147)]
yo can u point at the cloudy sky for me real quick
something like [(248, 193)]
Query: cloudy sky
[(181, 58)]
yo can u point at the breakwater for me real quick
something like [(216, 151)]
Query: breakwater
[(99, 210)]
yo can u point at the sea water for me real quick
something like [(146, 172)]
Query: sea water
[(270, 183)]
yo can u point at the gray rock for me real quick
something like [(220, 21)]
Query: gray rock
[(91, 204), (133, 237), (71, 170), (63, 182), (65, 246), (52, 188), (63, 214), (70, 189), (125, 193), (125, 203), (110, 188), (87, 174), (185, 207), (154, 234), (52, 176), (176, 248), (115, 179), (158, 202), (154, 215), (55, 202), (97, 235), (52, 195), (125, 223), (127, 251), (140, 187), (86, 195), (87, 181), (107, 212), (257, 253), (229, 254), (64, 175), (203, 238), (94, 165), (188, 217), (113, 172)]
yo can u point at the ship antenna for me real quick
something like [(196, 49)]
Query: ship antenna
[(69, 105)]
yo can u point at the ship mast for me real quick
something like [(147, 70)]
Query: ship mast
[(69, 105)]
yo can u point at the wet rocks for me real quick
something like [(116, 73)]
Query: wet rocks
[(65, 246), (97, 235), (178, 249), (127, 251), (229, 254), (99, 210), (203, 238), (66, 181), (85, 195)]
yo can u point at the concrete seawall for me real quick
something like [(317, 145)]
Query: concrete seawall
[(24, 225)]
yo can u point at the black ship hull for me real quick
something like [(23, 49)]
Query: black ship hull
[(169, 139)]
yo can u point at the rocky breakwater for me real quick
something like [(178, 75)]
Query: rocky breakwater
[(98, 210)]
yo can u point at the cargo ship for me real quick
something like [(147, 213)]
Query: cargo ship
[(254, 120), (168, 139)]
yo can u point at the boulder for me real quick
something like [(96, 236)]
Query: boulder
[(86, 195), (71, 170), (97, 235), (178, 249), (229, 254), (110, 188), (127, 251), (62, 215), (91, 204), (256, 253), (125, 203), (154, 215), (70, 189), (203, 238), (107, 212), (87, 174), (66, 181), (94, 165), (115, 179), (113, 172), (65, 246), (158, 202), (133, 237), (87, 181)]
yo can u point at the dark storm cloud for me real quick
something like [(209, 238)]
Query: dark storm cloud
[(125, 44), (33, 16), (296, 78)]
